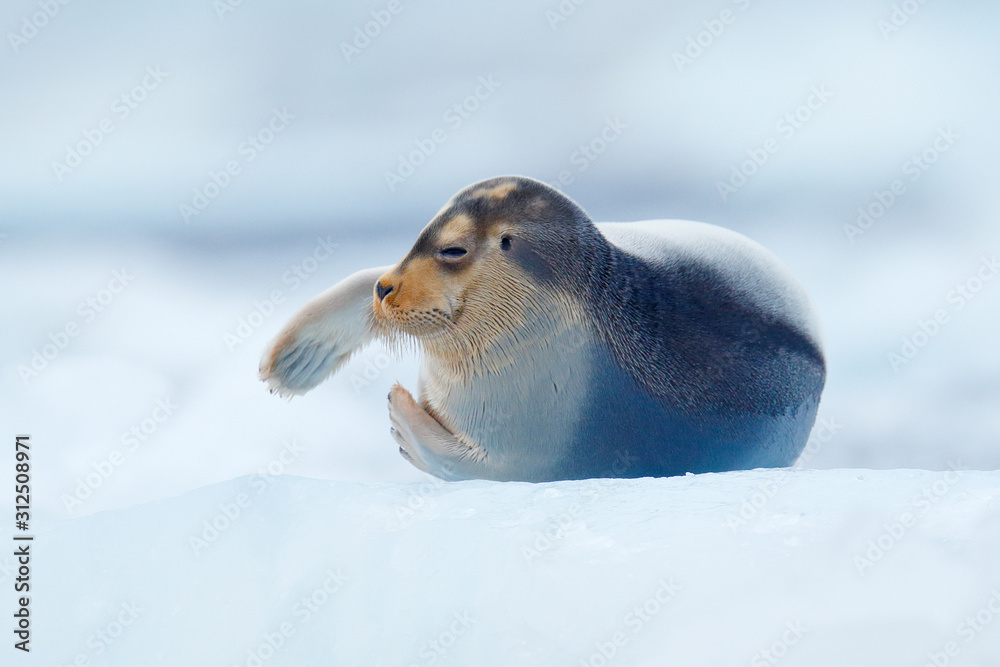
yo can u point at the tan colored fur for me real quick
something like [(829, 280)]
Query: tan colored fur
[(496, 193), (471, 320), (457, 229)]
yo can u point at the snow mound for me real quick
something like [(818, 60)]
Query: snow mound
[(801, 567)]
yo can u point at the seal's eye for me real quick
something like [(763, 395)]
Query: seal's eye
[(452, 252), (505, 243)]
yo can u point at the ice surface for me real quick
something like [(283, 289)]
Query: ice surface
[(840, 567)]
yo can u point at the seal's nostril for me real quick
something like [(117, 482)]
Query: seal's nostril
[(382, 290)]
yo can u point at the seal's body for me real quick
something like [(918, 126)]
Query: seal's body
[(554, 348)]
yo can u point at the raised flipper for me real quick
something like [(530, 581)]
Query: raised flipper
[(322, 336)]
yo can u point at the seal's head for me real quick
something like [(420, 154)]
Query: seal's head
[(495, 249)]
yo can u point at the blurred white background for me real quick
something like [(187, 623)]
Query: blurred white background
[(233, 160)]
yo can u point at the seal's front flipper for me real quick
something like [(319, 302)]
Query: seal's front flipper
[(322, 336), (428, 445)]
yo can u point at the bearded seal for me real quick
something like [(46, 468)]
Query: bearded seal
[(554, 348)]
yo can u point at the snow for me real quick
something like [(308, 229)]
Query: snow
[(822, 567)]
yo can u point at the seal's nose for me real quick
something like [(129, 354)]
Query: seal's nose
[(382, 290)]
